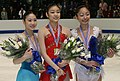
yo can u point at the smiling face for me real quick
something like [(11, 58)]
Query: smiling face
[(53, 13), (30, 21), (83, 16)]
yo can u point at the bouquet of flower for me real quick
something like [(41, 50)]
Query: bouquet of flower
[(99, 49), (16, 47), (72, 48), (108, 41)]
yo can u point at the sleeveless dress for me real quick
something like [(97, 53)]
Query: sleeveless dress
[(80, 69), (25, 72), (50, 46)]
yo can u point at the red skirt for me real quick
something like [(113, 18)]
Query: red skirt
[(46, 77)]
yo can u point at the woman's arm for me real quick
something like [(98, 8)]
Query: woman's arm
[(27, 54), (41, 39), (86, 63), (19, 60)]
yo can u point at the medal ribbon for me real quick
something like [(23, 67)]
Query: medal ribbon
[(85, 39), (35, 39), (56, 40)]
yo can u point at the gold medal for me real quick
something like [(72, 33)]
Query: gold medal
[(56, 51)]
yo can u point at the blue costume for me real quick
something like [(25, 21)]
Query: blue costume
[(26, 73)]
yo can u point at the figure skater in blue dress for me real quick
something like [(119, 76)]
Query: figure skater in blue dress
[(25, 72)]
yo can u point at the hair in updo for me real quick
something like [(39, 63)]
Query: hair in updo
[(79, 7), (27, 13), (51, 5)]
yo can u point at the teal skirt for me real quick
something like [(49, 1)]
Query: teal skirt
[(26, 74)]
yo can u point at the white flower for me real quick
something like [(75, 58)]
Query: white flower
[(109, 37), (88, 55), (114, 38), (20, 43), (78, 50), (65, 41), (68, 44), (118, 47), (81, 48), (6, 52), (82, 54), (66, 47), (72, 39), (69, 38), (16, 45), (73, 51), (78, 42), (74, 43)]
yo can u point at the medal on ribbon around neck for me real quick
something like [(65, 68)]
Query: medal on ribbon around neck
[(86, 41), (56, 51), (56, 39)]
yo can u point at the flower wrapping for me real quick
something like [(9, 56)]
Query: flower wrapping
[(93, 47), (36, 62), (52, 71)]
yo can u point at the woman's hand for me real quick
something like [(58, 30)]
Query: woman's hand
[(60, 72), (110, 52), (91, 64), (63, 63), (41, 71), (28, 53)]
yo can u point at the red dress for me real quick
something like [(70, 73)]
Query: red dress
[(50, 46)]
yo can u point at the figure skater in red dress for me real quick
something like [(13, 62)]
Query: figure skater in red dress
[(51, 37)]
